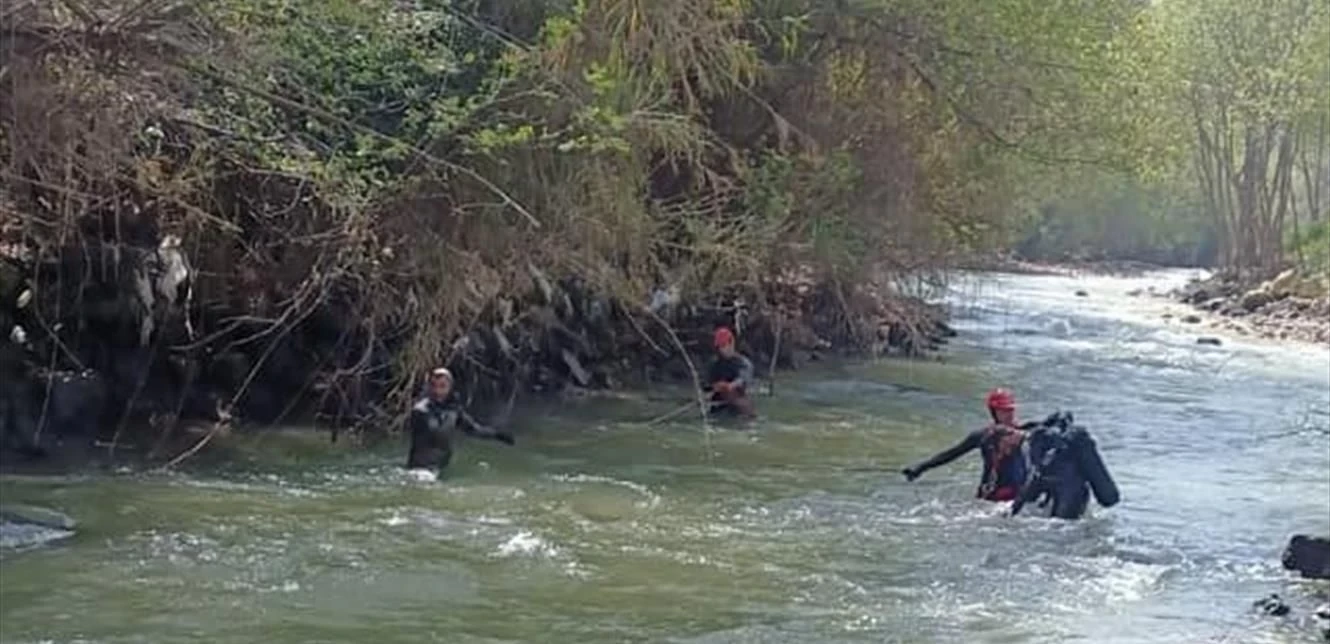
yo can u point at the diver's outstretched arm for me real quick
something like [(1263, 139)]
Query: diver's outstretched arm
[(969, 443), (471, 427)]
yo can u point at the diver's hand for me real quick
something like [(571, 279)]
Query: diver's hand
[(911, 473), (505, 438)]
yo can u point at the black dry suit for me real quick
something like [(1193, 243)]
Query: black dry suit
[(737, 370), (1065, 468), (431, 423)]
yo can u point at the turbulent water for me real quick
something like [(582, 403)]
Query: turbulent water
[(600, 529)]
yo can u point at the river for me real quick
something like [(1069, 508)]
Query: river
[(598, 529)]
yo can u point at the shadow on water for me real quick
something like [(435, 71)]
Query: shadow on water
[(598, 528)]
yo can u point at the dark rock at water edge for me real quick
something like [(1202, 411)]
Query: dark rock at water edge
[(1211, 341), (1309, 556), (1272, 605), (1254, 300)]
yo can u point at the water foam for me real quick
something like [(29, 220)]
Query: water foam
[(525, 543)]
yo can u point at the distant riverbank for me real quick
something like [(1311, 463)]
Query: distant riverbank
[(1009, 264), (1287, 307)]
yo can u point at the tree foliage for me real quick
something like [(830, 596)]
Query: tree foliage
[(1230, 97), (420, 162)]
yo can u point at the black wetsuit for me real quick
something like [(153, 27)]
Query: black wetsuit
[(431, 423), (1004, 463), (736, 370)]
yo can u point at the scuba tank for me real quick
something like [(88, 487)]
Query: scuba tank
[(1092, 467), (1065, 468)]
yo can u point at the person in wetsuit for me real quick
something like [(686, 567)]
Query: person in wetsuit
[(729, 377), (431, 422), (1000, 446)]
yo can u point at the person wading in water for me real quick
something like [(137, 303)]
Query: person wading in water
[(432, 420), (1000, 446), (729, 378)]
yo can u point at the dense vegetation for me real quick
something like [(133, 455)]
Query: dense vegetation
[(1223, 111), (399, 173)]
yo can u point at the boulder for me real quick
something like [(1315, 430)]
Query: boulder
[(1208, 340), (1309, 556), (1191, 319), (1082, 294), (25, 526), (44, 517), (1282, 284), (1299, 304), (1255, 299), (1310, 289), (1272, 605)]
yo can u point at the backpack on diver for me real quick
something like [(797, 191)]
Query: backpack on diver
[(1065, 468)]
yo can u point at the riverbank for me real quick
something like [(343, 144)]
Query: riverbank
[(78, 400), (1287, 307)]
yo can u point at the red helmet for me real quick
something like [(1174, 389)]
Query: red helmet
[(1001, 399), (722, 337)]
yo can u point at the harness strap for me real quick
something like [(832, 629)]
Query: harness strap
[(1006, 441)]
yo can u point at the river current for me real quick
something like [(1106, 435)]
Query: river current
[(598, 528)]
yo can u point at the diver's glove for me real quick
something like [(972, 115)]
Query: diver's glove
[(912, 473)]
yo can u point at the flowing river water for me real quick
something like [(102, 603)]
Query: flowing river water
[(598, 529)]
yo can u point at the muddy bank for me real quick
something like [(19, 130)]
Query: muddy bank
[(1286, 307), (111, 355)]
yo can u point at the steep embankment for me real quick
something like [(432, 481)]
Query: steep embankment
[(236, 216), (555, 336)]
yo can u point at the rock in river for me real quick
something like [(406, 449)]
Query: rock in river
[(1212, 341), (23, 526), (1272, 605), (1310, 556), (1255, 299)]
